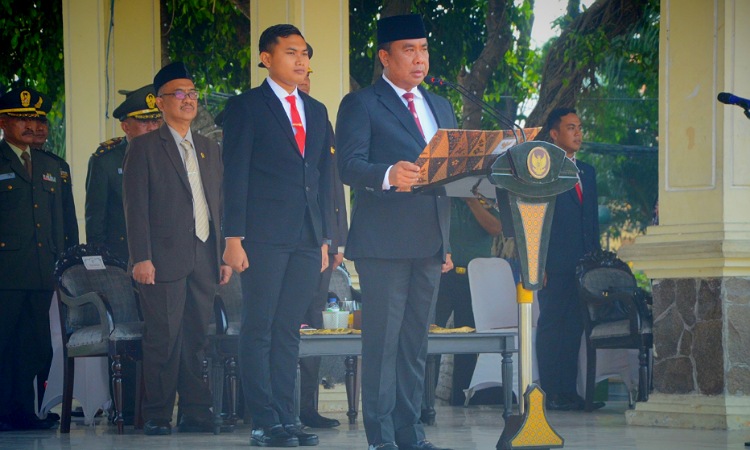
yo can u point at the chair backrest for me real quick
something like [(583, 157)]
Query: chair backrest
[(493, 293), (231, 297), (113, 281), (602, 278), (341, 284)]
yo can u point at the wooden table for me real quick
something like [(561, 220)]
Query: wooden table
[(350, 346)]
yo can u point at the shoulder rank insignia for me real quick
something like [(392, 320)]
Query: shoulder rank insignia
[(108, 145)]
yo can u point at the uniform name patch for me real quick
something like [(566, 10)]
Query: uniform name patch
[(49, 177), (7, 176)]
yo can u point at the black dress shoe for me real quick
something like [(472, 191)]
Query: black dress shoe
[(53, 416), (157, 427), (579, 404), (383, 446), (558, 403), (305, 439), (314, 420), (25, 422), (421, 445), (274, 436), (190, 424)]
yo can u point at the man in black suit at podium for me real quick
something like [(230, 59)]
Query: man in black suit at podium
[(398, 240), (574, 232)]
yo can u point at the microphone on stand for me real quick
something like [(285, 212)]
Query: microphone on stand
[(497, 115), (730, 99)]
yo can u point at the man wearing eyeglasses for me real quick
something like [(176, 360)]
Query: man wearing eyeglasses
[(172, 196)]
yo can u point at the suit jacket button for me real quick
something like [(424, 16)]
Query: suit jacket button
[(307, 188)]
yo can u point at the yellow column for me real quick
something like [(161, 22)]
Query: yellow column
[(699, 255), (98, 63)]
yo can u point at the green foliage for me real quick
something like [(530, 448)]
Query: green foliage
[(32, 41), (213, 38), (620, 106)]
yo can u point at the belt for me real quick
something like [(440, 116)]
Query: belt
[(460, 270)]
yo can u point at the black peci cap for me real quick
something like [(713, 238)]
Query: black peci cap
[(396, 28), (175, 71)]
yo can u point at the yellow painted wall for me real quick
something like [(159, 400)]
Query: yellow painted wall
[(704, 151), (97, 65)]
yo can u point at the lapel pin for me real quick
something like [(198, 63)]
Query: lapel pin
[(203, 155)]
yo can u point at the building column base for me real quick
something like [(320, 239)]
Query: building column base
[(692, 411)]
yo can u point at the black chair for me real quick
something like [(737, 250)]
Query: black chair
[(616, 314), (223, 337), (99, 316)]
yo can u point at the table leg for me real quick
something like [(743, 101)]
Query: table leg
[(507, 375), (297, 392), (351, 387), (217, 390), (428, 413)]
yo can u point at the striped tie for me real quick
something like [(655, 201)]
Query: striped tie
[(200, 208)]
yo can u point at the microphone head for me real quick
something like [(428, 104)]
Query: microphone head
[(725, 97), (434, 81)]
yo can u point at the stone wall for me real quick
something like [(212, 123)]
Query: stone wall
[(702, 336)]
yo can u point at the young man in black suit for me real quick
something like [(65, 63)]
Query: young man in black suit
[(574, 232), (398, 240), (277, 190)]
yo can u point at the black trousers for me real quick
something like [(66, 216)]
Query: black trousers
[(454, 297), (397, 296), (25, 348), (277, 290), (176, 316), (558, 334), (310, 366)]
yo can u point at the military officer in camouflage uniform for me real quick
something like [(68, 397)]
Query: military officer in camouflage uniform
[(31, 240), (70, 220), (105, 217)]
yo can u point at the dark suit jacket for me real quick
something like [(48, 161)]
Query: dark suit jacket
[(340, 218), (159, 203), (575, 226), (375, 130), (268, 186), (105, 216), (31, 238)]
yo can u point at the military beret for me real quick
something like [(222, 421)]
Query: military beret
[(19, 102), (397, 28), (139, 104), (175, 71)]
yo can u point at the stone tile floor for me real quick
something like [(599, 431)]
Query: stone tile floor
[(476, 427)]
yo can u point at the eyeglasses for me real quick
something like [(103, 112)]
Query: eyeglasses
[(182, 95)]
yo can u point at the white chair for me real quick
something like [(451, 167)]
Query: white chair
[(493, 299)]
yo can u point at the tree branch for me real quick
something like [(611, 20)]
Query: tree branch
[(563, 75), (499, 40)]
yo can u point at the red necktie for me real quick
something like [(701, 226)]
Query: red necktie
[(413, 110), (579, 192), (299, 134)]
